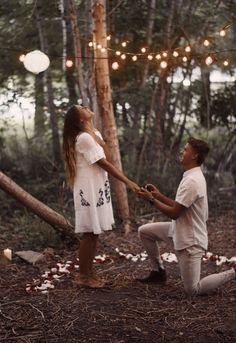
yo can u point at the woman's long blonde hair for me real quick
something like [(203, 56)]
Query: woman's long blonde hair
[(70, 132)]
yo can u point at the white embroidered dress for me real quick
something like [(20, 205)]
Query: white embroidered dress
[(92, 199)]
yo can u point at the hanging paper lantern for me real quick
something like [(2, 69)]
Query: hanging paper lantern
[(36, 61)]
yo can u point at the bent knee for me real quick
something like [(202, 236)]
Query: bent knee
[(141, 230)]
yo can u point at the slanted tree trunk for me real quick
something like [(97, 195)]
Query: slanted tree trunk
[(40, 209), (105, 105)]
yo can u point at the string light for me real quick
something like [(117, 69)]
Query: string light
[(188, 48), (206, 42), (186, 82), (182, 52), (115, 65), (69, 63), (222, 33), (22, 58), (163, 64), (209, 60)]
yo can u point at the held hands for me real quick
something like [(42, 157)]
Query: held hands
[(149, 192)]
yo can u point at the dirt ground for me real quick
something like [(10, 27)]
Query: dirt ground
[(124, 311)]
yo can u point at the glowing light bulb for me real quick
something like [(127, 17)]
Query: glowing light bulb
[(22, 58), (188, 48), (150, 57), (226, 63), (123, 56), (163, 64), (124, 44), (90, 44), (109, 37), (118, 53), (99, 46), (206, 42), (222, 33), (158, 56), (164, 54), (69, 63), (103, 49), (115, 65), (185, 59), (186, 83), (175, 54), (134, 58), (208, 60), (143, 50)]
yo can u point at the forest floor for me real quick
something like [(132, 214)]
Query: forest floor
[(126, 310)]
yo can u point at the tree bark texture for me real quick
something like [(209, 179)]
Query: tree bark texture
[(77, 48), (105, 105), (50, 96), (40, 209)]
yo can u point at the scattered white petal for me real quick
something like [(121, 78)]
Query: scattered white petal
[(221, 260), (134, 259), (129, 256), (54, 270), (169, 257)]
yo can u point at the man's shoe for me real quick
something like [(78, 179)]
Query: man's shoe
[(155, 277)]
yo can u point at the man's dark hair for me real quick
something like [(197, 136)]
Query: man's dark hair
[(201, 148)]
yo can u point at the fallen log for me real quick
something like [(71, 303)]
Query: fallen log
[(36, 206)]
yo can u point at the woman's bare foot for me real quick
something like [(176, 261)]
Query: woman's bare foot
[(89, 281)]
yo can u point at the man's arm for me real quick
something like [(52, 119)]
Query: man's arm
[(158, 195)]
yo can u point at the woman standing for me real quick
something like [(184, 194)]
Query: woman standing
[(86, 167)]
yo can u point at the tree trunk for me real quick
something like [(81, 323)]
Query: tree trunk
[(77, 49), (40, 209), (51, 107), (105, 106), (68, 51), (39, 118), (150, 26)]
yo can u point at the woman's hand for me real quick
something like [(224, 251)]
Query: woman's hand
[(133, 186)]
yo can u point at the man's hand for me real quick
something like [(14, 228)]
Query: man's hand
[(154, 190), (145, 194)]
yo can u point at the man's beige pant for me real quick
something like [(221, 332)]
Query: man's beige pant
[(189, 260)]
